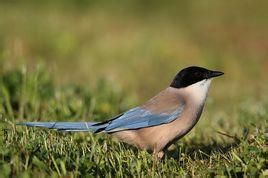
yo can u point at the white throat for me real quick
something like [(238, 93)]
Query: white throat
[(198, 91)]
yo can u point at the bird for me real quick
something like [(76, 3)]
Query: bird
[(160, 121)]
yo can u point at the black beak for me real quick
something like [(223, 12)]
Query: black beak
[(213, 74)]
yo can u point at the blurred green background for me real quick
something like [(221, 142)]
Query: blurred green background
[(139, 46), (80, 60)]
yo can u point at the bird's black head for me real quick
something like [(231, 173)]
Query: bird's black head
[(191, 75)]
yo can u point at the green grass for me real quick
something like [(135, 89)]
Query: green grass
[(78, 60), (33, 151)]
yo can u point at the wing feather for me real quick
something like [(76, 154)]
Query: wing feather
[(140, 118)]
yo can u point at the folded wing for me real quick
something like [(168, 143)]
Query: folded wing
[(138, 118), (161, 109)]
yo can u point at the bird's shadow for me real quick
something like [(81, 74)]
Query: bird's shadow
[(201, 151), (193, 150)]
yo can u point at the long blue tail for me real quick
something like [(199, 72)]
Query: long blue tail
[(68, 126)]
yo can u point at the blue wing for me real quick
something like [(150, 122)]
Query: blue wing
[(138, 117), (162, 109), (135, 118)]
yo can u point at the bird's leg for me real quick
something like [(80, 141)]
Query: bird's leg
[(158, 155)]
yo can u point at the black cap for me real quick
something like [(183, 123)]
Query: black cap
[(191, 75)]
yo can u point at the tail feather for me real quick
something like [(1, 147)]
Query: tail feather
[(67, 126)]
